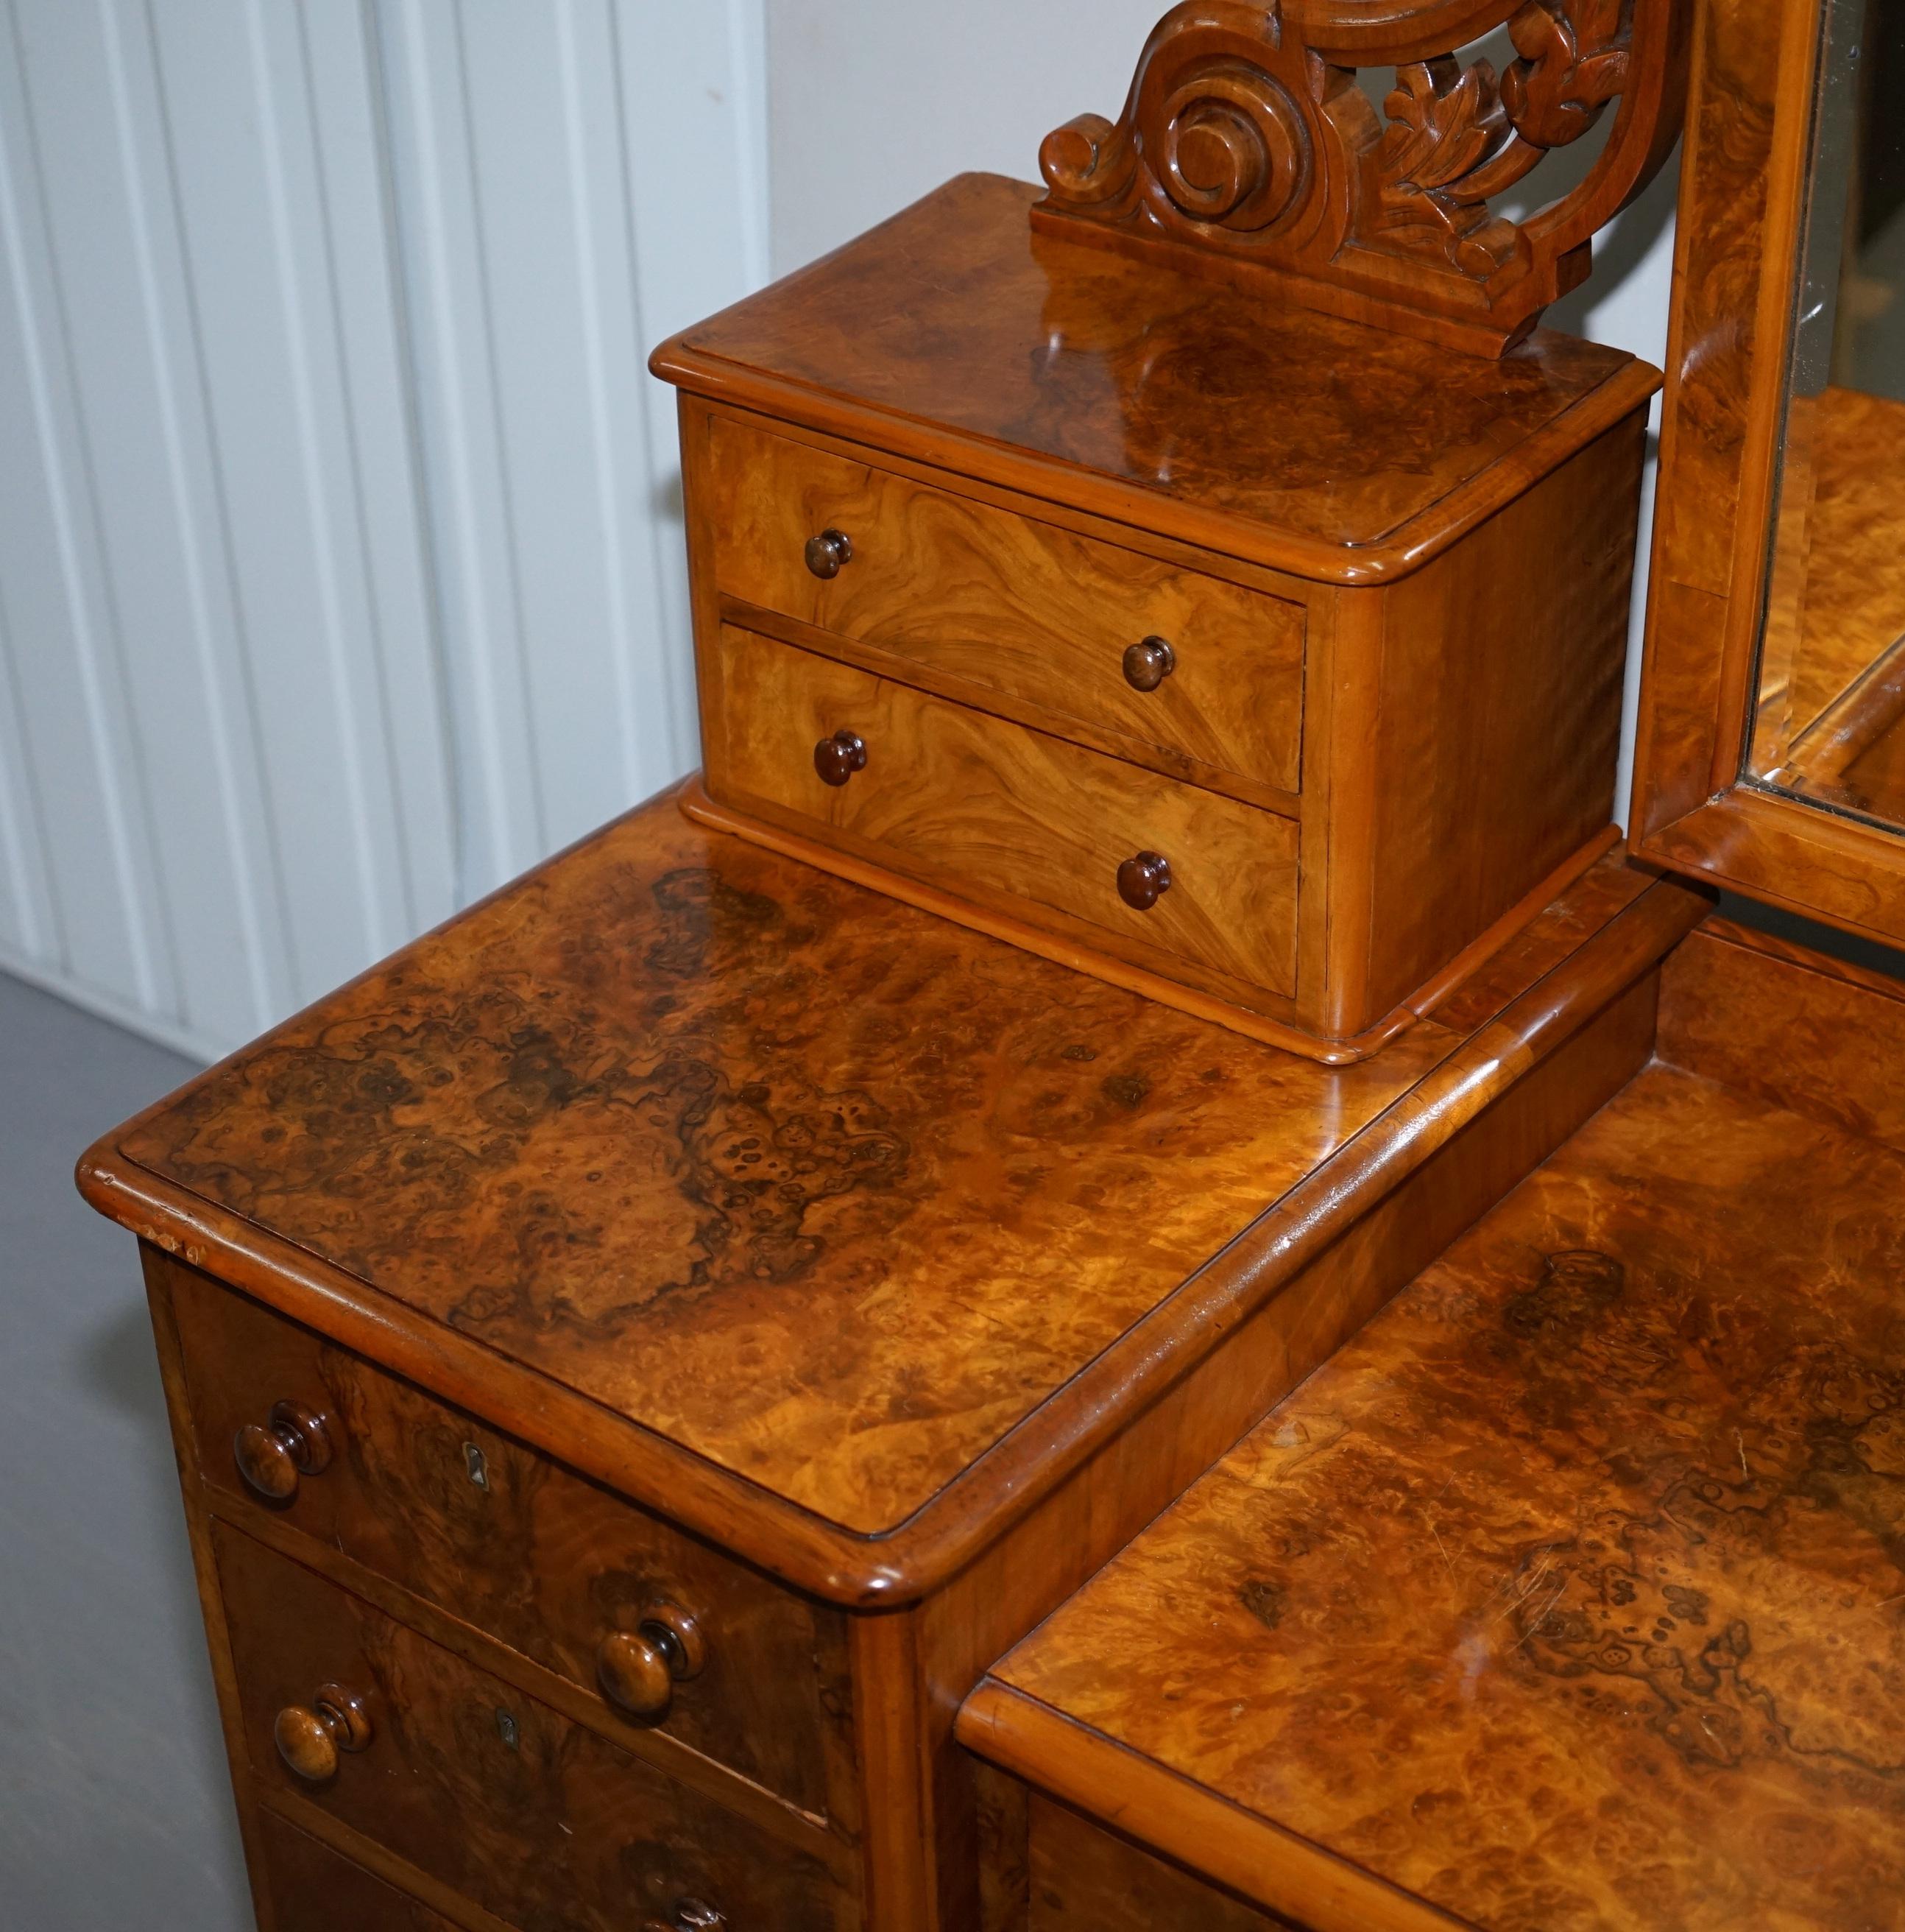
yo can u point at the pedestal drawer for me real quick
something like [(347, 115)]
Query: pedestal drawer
[(315, 1889), (512, 1544), (1006, 816), (537, 1819), (1011, 605)]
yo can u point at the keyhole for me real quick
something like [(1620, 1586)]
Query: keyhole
[(506, 1729), (477, 1469)]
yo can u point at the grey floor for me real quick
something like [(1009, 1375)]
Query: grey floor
[(114, 1809)]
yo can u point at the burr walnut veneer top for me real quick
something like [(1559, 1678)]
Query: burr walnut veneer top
[(1195, 409), (831, 1193), (1569, 1597)]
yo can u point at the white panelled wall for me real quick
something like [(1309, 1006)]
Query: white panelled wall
[(341, 559)]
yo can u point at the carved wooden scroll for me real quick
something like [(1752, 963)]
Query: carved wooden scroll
[(1248, 141)]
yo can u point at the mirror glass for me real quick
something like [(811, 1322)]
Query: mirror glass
[(1829, 726)]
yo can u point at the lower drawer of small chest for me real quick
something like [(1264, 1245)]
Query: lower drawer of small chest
[(1004, 816), (314, 1889), (537, 1819)]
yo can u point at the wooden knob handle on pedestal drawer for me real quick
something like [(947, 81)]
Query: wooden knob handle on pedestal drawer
[(1144, 880), (838, 758), (690, 1916), (638, 1669), (310, 1737), (293, 1441), (829, 553), (1148, 665)]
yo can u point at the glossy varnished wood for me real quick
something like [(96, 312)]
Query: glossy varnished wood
[(1014, 817), (1570, 1593), (1742, 204), (516, 1547), (1247, 150), (953, 335), (316, 1889), (817, 1187), (990, 606), (487, 1791)]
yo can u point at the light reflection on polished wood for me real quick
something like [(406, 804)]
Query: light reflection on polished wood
[(1572, 1592)]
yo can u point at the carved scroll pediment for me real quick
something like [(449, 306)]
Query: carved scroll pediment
[(1249, 138)]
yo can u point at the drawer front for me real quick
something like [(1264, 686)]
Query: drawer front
[(537, 1819), (1014, 605), (1083, 1879), (995, 812), (511, 1543), (314, 1889)]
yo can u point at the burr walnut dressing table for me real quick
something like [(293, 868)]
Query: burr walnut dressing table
[(671, 1373)]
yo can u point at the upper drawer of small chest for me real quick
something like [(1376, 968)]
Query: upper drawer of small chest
[(509, 1543), (983, 604)]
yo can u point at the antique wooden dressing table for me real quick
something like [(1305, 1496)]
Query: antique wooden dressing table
[(641, 1357)]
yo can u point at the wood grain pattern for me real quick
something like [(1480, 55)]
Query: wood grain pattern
[(1742, 202), (1247, 150), (1083, 1879), (1569, 1593), (535, 1819), (998, 603), (954, 335), (530, 1554), (1004, 816), (1497, 725), (315, 1889), (389, 1168), (811, 1183)]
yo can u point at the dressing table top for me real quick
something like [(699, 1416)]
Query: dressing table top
[(737, 1160)]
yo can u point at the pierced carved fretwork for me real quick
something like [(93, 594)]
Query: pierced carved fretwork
[(1247, 137)]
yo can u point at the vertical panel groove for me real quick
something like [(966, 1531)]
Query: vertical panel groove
[(258, 950), (60, 503), (345, 720)]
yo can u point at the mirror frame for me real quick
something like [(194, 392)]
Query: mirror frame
[(1737, 270)]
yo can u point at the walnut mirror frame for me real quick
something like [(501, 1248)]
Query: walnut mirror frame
[(1752, 127)]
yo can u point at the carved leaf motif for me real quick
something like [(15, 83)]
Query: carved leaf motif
[(1574, 57), (1444, 120)]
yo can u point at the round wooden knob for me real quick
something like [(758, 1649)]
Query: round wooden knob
[(1148, 665), (691, 1915), (310, 1737), (294, 1441), (829, 553), (1144, 880), (838, 758), (638, 1669)]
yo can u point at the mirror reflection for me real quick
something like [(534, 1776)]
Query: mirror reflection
[(1830, 724)]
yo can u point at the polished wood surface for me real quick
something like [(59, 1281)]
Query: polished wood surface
[(1831, 695), (813, 1184), (1743, 191), (1410, 1151), (1412, 860), (535, 1819), (994, 604), (953, 336), (1568, 1593), (1246, 147), (524, 1551), (318, 1890), (1082, 1878), (1009, 817)]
